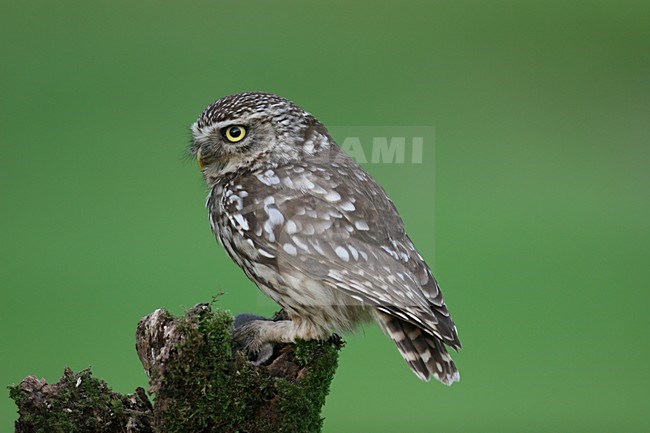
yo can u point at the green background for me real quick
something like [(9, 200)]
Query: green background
[(540, 222)]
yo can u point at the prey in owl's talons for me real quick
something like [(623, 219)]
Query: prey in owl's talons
[(259, 338), (246, 338)]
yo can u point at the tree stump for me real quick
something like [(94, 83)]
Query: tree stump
[(200, 385)]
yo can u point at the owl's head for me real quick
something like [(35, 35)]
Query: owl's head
[(251, 131)]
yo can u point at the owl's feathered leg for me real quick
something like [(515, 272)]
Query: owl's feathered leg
[(424, 353), (255, 336)]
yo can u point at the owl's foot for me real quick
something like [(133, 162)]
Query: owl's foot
[(336, 341), (246, 337)]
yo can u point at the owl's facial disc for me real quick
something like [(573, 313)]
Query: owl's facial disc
[(252, 130), (225, 144), (218, 142)]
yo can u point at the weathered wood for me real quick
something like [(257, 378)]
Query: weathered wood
[(200, 385)]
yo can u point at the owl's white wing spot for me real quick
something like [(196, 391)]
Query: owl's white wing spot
[(391, 252), (291, 227), (342, 253), (303, 246), (241, 221), (333, 196), (265, 253), (304, 183), (290, 249), (258, 230), (268, 178), (268, 228), (361, 225), (308, 229), (318, 248), (275, 216), (237, 201)]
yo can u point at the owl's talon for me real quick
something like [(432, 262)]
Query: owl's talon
[(336, 341)]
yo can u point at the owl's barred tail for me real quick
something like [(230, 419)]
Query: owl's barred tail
[(425, 354)]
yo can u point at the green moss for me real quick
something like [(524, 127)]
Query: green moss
[(214, 390), (77, 403), (300, 402), (202, 386)]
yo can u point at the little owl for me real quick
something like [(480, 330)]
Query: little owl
[(316, 233)]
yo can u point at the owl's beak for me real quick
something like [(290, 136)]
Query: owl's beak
[(198, 159)]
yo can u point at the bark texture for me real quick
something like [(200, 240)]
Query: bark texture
[(198, 382)]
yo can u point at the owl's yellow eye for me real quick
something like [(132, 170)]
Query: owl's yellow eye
[(235, 133)]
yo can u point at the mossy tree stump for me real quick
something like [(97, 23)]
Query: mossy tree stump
[(200, 385)]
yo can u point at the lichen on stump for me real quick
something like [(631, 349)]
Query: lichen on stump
[(79, 403), (201, 385)]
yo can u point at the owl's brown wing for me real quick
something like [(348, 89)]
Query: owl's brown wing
[(331, 221)]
